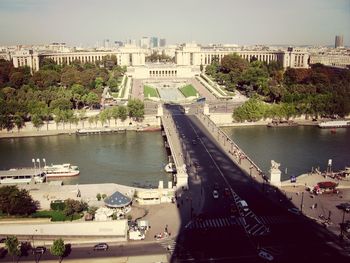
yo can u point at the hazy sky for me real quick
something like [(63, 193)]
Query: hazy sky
[(294, 22)]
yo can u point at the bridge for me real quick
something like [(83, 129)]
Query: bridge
[(217, 229)]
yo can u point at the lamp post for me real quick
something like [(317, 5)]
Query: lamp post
[(302, 201)]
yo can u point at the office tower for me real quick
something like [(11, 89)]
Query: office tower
[(339, 42), (154, 42), (162, 42)]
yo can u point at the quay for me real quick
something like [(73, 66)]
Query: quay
[(99, 131)]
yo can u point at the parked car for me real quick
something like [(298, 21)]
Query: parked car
[(39, 250), (265, 255), (227, 191), (294, 210), (215, 194), (101, 246)]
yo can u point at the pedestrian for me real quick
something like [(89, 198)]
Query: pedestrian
[(166, 228)]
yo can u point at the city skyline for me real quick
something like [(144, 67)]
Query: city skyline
[(312, 22)]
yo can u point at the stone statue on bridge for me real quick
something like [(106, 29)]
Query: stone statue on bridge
[(275, 165)]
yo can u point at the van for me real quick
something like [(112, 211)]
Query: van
[(242, 204)]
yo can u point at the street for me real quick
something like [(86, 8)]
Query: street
[(217, 229)]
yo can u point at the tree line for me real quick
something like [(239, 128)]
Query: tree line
[(317, 91), (53, 91)]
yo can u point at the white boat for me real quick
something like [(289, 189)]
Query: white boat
[(334, 124), (61, 170), (22, 176), (170, 168)]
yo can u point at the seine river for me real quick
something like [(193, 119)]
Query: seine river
[(138, 158), (298, 149), (132, 158)]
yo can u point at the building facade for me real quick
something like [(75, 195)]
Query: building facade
[(188, 55), (192, 54)]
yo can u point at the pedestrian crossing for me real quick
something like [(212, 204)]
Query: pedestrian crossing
[(214, 223), (256, 225), (168, 243)]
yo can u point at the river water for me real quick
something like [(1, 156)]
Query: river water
[(139, 158), (132, 158), (298, 149)]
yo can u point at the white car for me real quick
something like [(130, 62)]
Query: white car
[(242, 204), (215, 194), (265, 255)]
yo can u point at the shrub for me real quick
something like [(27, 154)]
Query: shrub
[(98, 196), (104, 196), (57, 205)]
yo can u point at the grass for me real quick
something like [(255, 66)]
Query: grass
[(55, 215), (149, 91), (188, 91)]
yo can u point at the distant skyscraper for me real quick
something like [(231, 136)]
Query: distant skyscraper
[(106, 43), (162, 42), (154, 42), (339, 42), (144, 42)]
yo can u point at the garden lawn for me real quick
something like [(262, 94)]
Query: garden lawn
[(188, 91), (148, 90)]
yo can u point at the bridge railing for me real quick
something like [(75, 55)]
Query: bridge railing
[(237, 150)]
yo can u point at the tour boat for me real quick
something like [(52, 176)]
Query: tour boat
[(334, 124), (170, 168), (22, 176), (61, 170)]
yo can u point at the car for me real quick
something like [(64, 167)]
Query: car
[(265, 255), (242, 204), (215, 194), (344, 206), (227, 191), (194, 142), (39, 250), (101, 246), (294, 210)]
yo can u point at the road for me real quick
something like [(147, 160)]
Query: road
[(79, 253), (218, 230)]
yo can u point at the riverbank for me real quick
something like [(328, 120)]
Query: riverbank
[(52, 128)]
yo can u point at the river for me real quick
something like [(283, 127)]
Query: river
[(298, 149), (132, 158), (138, 158)]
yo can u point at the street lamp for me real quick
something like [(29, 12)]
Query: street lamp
[(346, 208), (302, 201)]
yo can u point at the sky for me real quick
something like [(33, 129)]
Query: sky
[(243, 22)]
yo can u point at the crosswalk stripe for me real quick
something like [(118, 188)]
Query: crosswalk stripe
[(215, 223), (258, 230), (222, 221), (227, 221)]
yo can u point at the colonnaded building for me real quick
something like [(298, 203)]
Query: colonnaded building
[(188, 58)]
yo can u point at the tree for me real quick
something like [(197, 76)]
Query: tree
[(16, 202), (18, 120), (58, 248), (136, 109), (12, 246), (73, 206), (37, 121), (82, 116), (233, 62), (122, 113), (90, 99)]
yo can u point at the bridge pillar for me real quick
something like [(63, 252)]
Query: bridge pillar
[(275, 174)]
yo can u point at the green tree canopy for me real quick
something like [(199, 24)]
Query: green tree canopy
[(136, 109), (58, 249), (16, 202)]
